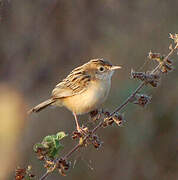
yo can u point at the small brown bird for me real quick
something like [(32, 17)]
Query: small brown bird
[(83, 90)]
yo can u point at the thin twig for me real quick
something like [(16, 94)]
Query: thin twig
[(120, 107), (128, 99), (44, 175), (165, 58), (71, 151), (123, 104)]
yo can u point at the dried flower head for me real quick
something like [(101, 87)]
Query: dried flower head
[(166, 67), (141, 99), (94, 139), (24, 173), (107, 120), (76, 135), (63, 165), (20, 173), (118, 118), (174, 37), (49, 163), (165, 63), (96, 115), (148, 77), (155, 56)]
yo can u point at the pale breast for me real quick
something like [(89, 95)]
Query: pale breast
[(90, 99)]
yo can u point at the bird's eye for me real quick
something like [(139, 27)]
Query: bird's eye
[(101, 68)]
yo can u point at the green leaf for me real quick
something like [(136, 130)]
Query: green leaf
[(50, 146), (61, 135)]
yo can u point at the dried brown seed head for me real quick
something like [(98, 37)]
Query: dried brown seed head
[(63, 165), (174, 37), (148, 77), (155, 56), (23, 173), (166, 67), (142, 99)]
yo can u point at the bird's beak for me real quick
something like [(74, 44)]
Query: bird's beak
[(115, 67)]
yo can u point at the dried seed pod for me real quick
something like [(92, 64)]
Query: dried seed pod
[(107, 121), (20, 173), (142, 99), (165, 63), (76, 134), (155, 56), (174, 37), (110, 122), (169, 61), (138, 75), (95, 137), (62, 165), (118, 119), (107, 113), (23, 173), (65, 164), (95, 141), (96, 114), (97, 144), (148, 77), (166, 67), (49, 164), (152, 78), (104, 124)]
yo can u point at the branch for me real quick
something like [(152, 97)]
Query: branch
[(164, 66), (87, 136), (44, 175)]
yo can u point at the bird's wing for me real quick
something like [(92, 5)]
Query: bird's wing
[(74, 83)]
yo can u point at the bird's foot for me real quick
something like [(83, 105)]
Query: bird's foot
[(83, 130), (80, 132)]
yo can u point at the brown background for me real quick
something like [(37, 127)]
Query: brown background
[(41, 41)]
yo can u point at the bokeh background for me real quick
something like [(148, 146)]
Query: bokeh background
[(41, 41)]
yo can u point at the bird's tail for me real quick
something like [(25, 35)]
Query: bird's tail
[(41, 106)]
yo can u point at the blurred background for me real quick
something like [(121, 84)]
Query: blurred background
[(41, 41)]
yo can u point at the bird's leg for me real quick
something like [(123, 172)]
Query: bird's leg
[(79, 129), (76, 121)]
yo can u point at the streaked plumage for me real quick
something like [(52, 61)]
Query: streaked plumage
[(84, 89)]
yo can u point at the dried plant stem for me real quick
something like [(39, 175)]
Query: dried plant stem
[(72, 150), (44, 175), (166, 58), (128, 99), (100, 124), (120, 107)]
